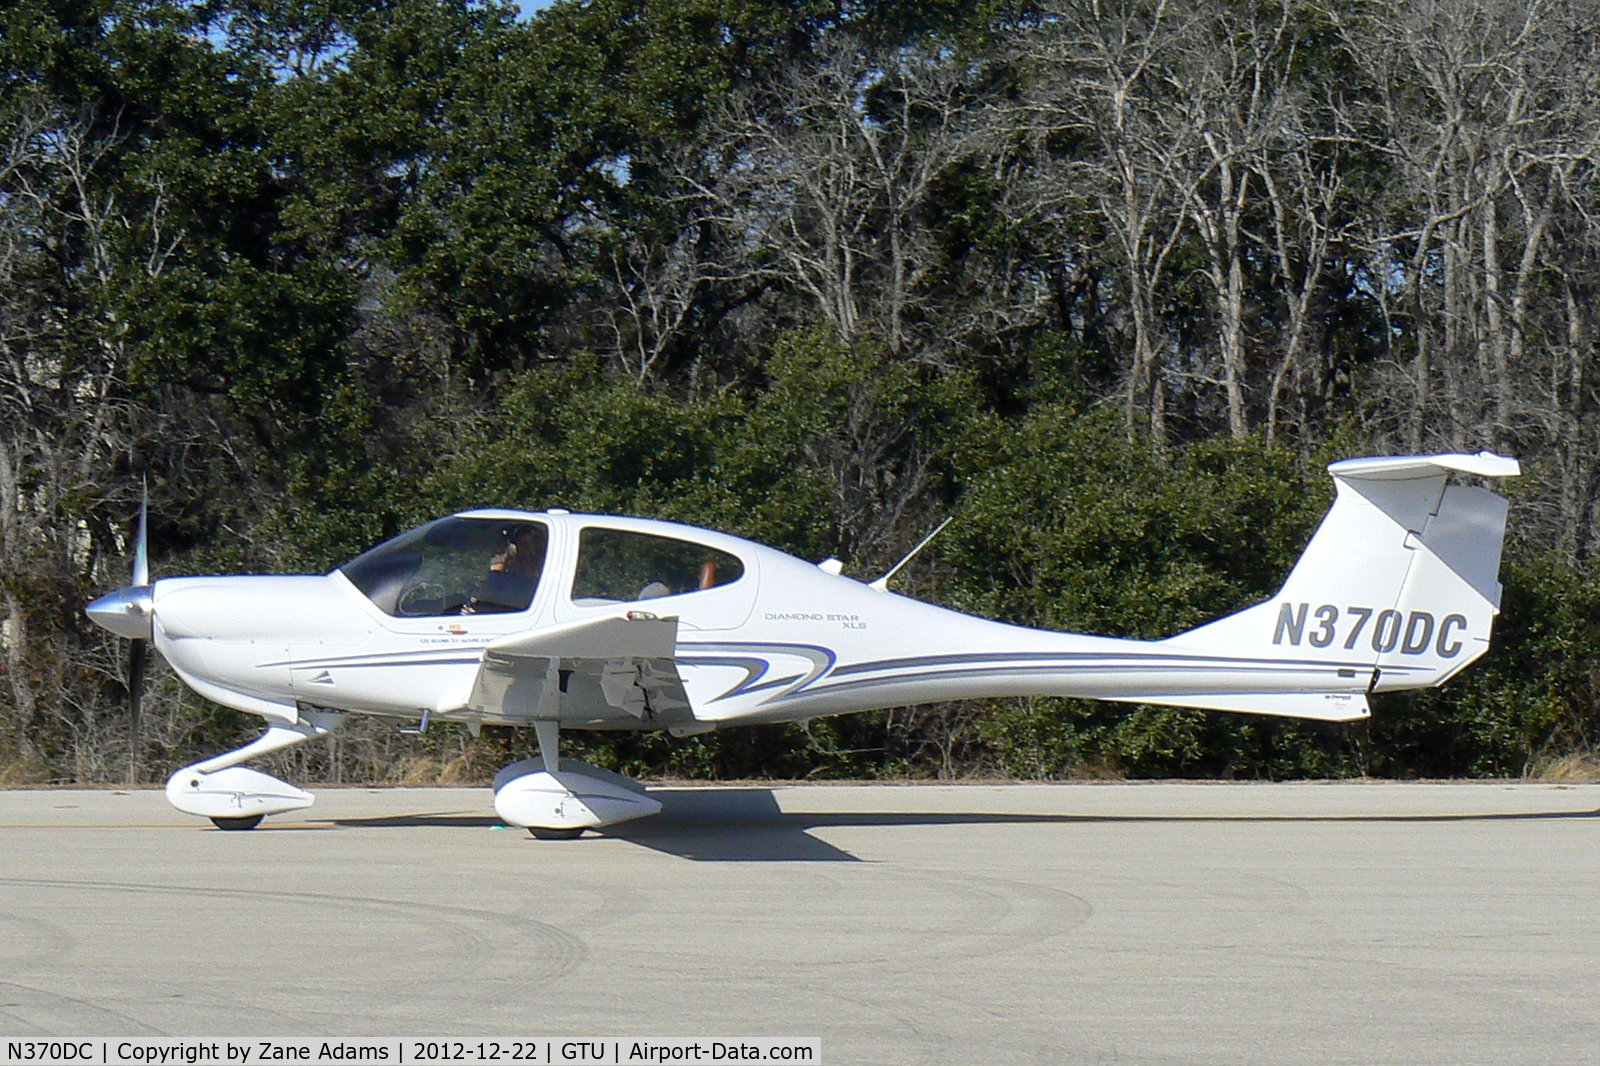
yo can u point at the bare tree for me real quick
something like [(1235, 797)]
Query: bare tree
[(1255, 148), (1102, 83), (1487, 117), (653, 287), (674, 279), (1464, 100), (832, 173), (67, 245), (1303, 183)]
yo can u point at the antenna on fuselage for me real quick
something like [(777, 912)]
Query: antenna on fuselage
[(882, 584)]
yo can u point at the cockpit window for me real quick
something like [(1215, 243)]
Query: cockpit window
[(453, 566), (618, 565)]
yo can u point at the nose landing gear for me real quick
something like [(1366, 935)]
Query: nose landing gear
[(236, 797)]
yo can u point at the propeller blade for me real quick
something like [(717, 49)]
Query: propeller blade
[(138, 649), (136, 661), (141, 551)]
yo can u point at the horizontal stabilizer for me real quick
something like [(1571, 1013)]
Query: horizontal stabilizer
[(1322, 706), (1402, 467)]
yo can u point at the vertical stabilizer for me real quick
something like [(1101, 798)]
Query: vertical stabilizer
[(1400, 582)]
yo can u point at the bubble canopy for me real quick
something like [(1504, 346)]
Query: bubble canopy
[(453, 566)]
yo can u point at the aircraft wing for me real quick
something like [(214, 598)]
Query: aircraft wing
[(591, 672)]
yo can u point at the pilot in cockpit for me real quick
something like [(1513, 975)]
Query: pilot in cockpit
[(513, 573)]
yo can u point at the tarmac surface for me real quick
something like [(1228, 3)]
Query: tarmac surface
[(1082, 923)]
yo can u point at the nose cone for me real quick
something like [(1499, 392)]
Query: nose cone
[(128, 612)]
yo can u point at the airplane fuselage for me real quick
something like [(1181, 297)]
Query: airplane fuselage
[(784, 641)]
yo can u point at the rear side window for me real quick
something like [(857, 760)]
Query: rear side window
[(620, 566)]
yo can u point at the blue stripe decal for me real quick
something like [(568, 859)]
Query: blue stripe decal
[(993, 664), (749, 656), (357, 662), (1075, 657)]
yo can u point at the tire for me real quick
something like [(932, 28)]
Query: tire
[(542, 833), (249, 821)]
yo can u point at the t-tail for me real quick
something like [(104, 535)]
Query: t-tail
[(1397, 590)]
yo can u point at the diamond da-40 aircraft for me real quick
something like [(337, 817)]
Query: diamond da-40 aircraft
[(570, 621)]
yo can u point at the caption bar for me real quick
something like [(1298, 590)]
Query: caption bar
[(409, 1052)]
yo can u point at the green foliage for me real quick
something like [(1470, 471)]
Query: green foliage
[(795, 464), (832, 443), (1534, 697), (1123, 540), (570, 435)]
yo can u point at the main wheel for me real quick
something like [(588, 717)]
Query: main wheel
[(541, 833), (249, 821)]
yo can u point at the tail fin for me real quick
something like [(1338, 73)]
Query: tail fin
[(1399, 586)]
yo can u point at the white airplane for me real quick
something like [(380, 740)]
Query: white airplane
[(559, 620)]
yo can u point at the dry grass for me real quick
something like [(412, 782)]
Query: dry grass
[(1577, 768), (423, 771), (415, 771), (1097, 770), (23, 773), (462, 770)]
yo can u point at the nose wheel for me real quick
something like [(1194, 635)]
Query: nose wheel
[(237, 824)]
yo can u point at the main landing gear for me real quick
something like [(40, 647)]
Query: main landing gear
[(557, 799)]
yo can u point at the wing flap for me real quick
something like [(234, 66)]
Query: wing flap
[(614, 670)]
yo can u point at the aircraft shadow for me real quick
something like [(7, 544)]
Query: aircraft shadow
[(727, 825), (747, 825), (436, 821), (734, 825)]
